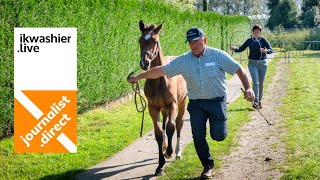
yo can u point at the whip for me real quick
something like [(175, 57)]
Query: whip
[(256, 107)]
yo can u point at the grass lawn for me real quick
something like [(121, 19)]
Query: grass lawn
[(301, 111)]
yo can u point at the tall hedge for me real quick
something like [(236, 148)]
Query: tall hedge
[(108, 47)]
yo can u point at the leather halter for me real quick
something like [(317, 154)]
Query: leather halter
[(154, 54)]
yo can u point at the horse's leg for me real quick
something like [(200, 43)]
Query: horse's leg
[(171, 128), (164, 121), (155, 113), (179, 125)]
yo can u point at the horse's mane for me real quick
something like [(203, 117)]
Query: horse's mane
[(149, 27)]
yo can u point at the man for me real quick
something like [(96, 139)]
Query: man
[(204, 70)]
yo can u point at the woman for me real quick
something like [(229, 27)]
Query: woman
[(258, 66)]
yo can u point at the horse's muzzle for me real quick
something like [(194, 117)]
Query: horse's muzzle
[(144, 64)]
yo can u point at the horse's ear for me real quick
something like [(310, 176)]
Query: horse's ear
[(141, 25), (157, 30)]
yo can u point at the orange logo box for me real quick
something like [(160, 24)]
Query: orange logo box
[(55, 130)]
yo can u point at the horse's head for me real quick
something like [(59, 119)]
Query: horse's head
[(149, 44)]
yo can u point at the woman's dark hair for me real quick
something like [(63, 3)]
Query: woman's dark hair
[(257, 26)]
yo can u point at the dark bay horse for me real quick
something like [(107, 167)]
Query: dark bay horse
[(165, 95)]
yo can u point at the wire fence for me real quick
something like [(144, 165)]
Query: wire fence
[(287, 50)]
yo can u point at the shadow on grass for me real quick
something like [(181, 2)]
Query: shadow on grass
[(241, 109), (194, 178), (67, 175)]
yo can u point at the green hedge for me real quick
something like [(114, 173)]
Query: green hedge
[(295, 39), (108, 47)]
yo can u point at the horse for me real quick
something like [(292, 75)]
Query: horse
[(164, 94)]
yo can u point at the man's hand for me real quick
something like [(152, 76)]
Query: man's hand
[(133, 79), (232, 48), (263, 50), (249, 95)]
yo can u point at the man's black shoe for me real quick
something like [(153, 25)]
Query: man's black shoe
[(207, 172)]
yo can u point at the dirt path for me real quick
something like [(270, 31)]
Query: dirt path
[(260, 148)]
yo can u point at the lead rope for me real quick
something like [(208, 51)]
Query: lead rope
[(257, 108), (143, 103)]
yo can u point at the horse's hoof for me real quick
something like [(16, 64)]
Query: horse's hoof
[(178, 157), (167, 156), (158, 172)]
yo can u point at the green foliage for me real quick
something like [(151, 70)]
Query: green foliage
[(289, 14), (108, 48), (282, 12), (272, 4), (314, 35), (7, 21), (298, 39), (307, 18), (310, 10), (181, 4), (279, 30)]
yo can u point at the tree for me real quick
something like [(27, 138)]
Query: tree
[(273, 6), (289, 14), (282, 12), (272, 3), (310, 13), (205, 5), (242, 7), (231, 6)]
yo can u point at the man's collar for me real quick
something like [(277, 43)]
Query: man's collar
[(203, 53)]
